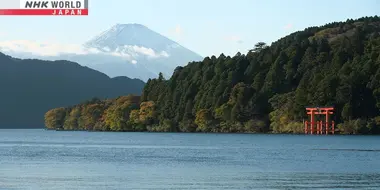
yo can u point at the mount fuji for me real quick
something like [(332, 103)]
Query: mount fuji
[(146, 51), (131, 50)]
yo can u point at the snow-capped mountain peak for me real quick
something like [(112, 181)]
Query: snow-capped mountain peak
[(143, 47), (121, 35)]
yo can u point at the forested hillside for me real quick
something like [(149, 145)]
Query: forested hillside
[(31, 87), (265, 90)]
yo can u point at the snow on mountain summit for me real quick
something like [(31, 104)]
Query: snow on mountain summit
[(129, 35)]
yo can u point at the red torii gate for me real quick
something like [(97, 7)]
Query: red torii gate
[(321, 127)]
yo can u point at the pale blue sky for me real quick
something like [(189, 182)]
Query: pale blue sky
[(207, 27)]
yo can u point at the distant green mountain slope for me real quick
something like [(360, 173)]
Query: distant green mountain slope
[(29, 88)]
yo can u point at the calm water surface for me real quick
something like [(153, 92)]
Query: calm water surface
[(39, 159)]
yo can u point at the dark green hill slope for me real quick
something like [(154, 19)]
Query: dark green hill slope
[(266, 90), (29, 88), (336, 64)]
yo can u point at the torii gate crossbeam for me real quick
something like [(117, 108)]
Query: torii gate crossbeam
[(319, 127)]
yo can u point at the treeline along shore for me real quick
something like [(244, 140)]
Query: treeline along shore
[(264, 91)]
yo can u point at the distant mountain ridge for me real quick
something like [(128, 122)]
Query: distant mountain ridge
[(131, 50), (30, 87)]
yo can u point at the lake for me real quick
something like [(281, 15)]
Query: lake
[(40, 159)]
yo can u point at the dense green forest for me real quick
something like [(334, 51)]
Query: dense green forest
[(265, 90), (30, 87)]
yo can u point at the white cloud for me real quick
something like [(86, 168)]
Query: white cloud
[(164, 54), (134, 62), (120, 54), (137, 51), (49, 49), (143, 50), (43, 49), (106, 49)]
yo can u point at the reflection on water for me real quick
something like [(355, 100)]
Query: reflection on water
[(38, 159)]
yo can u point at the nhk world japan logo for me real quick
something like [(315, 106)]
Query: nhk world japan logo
[(44, 7)]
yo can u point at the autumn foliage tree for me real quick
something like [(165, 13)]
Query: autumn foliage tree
[(55, 118)]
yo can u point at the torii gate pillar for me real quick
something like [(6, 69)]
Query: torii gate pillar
[(319, 127)]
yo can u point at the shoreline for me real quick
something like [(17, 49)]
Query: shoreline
[(295, 134)]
